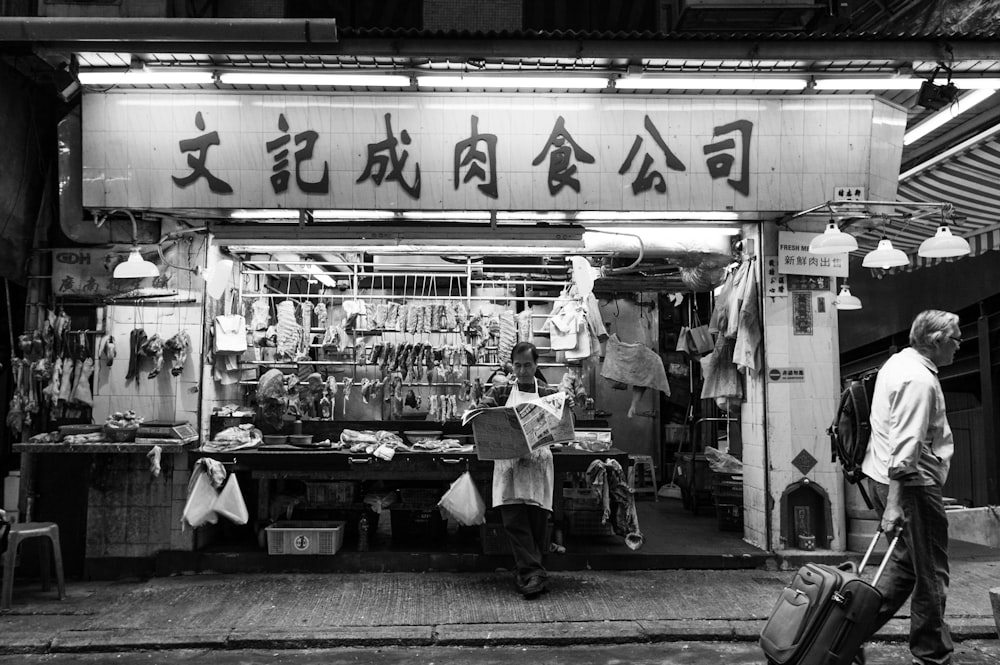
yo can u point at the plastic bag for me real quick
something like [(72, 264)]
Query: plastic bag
[(463, 502), (201, 497), (229, 503), (721, 462)]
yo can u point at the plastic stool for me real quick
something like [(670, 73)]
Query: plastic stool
[(642, 466), (20, 533)]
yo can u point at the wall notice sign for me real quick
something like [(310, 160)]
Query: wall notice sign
[(794, 257), (786, 375)]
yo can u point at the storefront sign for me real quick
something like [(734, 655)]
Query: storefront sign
[(786, 375), (87, 272), (794, 257), (467, 152)]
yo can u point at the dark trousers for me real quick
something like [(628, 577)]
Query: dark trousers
[(918, 566), (525, 525)]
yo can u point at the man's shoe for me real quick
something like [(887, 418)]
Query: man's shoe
[(534, 586)]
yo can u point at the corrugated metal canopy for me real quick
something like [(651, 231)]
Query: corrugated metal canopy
[(970, 181)]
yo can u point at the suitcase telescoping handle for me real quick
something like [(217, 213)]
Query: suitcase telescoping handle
[(885, 559)]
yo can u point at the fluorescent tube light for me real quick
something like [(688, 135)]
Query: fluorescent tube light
[(708, 216), (945, 115), (167, 76), (513, 82), (354, 214), (372, 247), (868, 84), (278, 213), (671, 231), (709, 83), (326, 79)]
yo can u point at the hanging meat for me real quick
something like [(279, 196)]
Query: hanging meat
[(180, 346), (272, 397), (289, 332), (153, 348)]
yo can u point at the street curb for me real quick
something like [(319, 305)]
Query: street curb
[(560, 633)]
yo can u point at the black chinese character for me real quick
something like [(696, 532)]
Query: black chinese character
[(563, 149), (646, 180), (721, 165), (201, 145), (468, 154), (279, 180), (379, 163)]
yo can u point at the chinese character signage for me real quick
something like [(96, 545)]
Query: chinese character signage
[(80, 272), (794, 257), (468, 152)]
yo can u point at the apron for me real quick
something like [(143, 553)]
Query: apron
[(527, 479)]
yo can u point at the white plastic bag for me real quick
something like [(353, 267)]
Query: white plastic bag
[(201, 497), (463, 502), (229, 503)]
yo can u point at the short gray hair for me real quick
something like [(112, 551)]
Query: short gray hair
[(930, 326)]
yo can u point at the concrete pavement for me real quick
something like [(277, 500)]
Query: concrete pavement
[(285, 611)]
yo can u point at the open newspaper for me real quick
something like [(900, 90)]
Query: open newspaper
[(508, 432)]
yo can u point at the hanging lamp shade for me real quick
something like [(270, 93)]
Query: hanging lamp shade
[(217, 278), (943, 245), (845, 300), (833, 241), (135, 266), (885, 256)]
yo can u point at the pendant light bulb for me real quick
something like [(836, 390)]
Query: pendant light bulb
[(885, 256), (845, 300), (944, 245), (135, 267), (833, 241)]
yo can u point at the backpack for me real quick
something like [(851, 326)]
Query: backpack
[(851, 430)]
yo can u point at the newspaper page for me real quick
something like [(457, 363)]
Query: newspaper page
[(512, 432)]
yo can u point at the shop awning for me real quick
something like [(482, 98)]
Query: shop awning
[(969, 180)]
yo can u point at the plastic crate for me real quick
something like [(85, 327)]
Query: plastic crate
[(342, 491), (581, 499), (730, 516), (587, 523), (301, 537), (426, 497), (417, 523)]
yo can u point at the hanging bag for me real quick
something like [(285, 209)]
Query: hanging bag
[(700, 339), (463, 502), (201, 497), (230, 503), (230, 333)]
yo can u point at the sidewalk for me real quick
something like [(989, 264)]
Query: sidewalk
[(284, 611)]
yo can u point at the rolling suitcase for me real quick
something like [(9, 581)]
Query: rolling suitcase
[(824, 616)]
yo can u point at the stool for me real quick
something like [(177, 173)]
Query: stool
[(642, 467), (20, 533)]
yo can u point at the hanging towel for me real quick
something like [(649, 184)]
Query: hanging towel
[(634, 365), (618, 505)]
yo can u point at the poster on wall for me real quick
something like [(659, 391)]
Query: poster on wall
[(87, 273)]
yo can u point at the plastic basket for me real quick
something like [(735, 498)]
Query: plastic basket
[(587, 523), (581, 499), (300, 537), (342, 491)]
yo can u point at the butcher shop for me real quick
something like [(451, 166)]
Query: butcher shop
[(279, 317)]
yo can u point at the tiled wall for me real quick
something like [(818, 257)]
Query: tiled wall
[(799, 413), (754, 439), (130, 513)]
